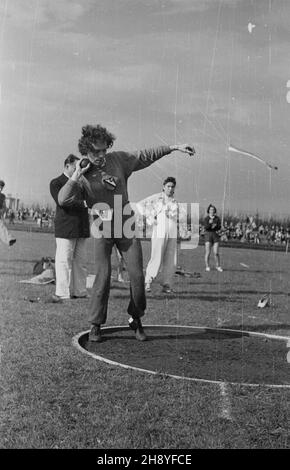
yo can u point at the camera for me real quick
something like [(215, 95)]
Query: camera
[(84, 162)]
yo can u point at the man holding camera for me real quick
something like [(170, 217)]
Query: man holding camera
[(71, 232), (106, 176)]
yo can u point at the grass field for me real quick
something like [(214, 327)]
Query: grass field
[(53, 396)]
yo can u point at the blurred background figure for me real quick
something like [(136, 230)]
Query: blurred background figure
[(5, 236), (212, 225)]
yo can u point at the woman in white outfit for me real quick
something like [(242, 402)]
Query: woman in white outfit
[(162, 210)]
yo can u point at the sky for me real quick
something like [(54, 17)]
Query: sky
[(205, 72)]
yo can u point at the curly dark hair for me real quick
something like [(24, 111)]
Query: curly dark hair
[(169, 179), (210, 207), (93, 134)]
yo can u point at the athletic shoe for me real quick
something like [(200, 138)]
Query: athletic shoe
[(136, 325), (95, 334), (207, 269), (12, 241), (148, 286), (219, 269), (56, 299)]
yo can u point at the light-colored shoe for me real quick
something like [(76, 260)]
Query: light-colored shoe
[(148, 286), (56, 299), (207, 268), (219, 269)]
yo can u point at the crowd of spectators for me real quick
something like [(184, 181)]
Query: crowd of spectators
[(242, 229), (250, 230), (42, 217)]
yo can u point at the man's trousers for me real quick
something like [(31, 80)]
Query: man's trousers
[(163, 256), (70, 267)]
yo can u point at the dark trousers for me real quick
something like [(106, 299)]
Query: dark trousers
[(132, 253)]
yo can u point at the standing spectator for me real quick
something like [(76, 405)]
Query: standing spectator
[(232, 232), (283, 236), (39, 221), (50, 221), (212, 225), (248, 232), (11, 216), (239, 231), (261, 229), (71, 232), (5, 236), (277, 234), (162, 208), (256, 237)]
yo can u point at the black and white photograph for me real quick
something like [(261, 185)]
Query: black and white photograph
[(144, 229)]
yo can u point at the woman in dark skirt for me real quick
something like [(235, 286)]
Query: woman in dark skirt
[(212, 225)]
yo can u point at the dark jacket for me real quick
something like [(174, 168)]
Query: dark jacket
[(215, 226), (2, 201), (71, 220)]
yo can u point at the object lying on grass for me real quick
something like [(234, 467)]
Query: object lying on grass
[(184, 273), (45, 263), (32, 299), (46, 277), (244, 265), (264, 301)]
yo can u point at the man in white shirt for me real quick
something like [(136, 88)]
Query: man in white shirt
[(161, 210)]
